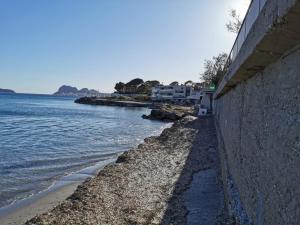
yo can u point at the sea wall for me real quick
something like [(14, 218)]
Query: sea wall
[(258, 124)]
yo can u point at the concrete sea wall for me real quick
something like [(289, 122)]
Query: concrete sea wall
[(257, 111), (258, 123)]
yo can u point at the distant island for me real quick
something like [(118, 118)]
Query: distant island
[(7, 91), (66, 90)]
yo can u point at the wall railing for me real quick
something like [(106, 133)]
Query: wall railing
[(252, 13)]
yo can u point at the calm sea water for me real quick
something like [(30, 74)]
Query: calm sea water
[(43, 138)]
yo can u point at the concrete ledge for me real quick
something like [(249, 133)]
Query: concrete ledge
[(276, 30)]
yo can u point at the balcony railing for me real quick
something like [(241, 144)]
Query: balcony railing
[(253, 11)]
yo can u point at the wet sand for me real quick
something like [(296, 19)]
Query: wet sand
[(23, 210), (39, 204)]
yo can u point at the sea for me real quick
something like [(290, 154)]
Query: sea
[(45, 138)]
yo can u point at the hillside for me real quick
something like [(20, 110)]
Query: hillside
[(66, 90)]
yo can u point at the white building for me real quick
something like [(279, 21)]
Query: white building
[(207, 99), (195, 96), (169, 93), (177, 93)]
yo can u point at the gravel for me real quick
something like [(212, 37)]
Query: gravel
[(146, 185)]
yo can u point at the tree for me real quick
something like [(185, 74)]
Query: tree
[(143, 89), (214, 69), (119, 86), (174, 83), (135, 82), (152, 83), (189, 82), (235, 23)]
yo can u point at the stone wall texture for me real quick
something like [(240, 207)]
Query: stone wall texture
[(259, 134)]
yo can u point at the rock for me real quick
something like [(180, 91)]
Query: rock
[(64, 90), (189, 118), (169, 113), (122, 158), (145, 116), (85, 100), (160, 114), (109, 102)]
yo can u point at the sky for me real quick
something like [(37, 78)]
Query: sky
[(96, 43)]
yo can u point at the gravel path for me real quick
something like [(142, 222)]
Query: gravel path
[(146, 185)]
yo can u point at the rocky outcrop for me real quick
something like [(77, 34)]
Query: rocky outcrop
[(109, 102), (158, 114), (6, 91), (73, 91), (169, 113)]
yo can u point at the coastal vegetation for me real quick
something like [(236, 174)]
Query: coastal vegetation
[(214, 69), (136, 86), (235, 22), (174, 83)]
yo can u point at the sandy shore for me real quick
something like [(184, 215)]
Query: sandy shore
[(38, 205), (23, 210), (146, 185)]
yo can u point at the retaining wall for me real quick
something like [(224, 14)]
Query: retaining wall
[(259, 136)]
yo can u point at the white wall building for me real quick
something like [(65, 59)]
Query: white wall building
[(177, 93), (195, 95), (169, 93)]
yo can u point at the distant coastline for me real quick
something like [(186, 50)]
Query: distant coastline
[(66, 90), (7, 91)]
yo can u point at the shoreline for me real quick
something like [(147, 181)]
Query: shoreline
[(111, 102), (22, 210), (146, 185), (39, 204)]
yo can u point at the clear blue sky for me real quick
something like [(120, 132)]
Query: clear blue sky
[(95, 43)]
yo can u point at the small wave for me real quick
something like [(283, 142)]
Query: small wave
[(56, 162), (25, 197), (43, 138)]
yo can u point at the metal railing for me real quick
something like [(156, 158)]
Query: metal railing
[(252, 13)]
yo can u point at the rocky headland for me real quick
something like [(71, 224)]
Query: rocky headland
[(111, 102), (7, 91), (147, 184), (66, 90)]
